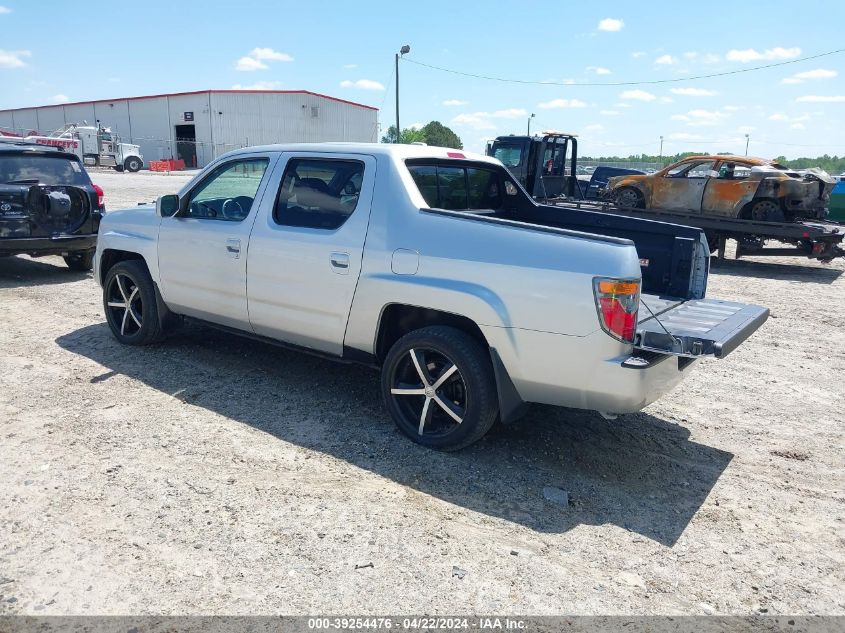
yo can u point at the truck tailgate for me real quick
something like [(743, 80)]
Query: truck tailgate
[(695, 328)]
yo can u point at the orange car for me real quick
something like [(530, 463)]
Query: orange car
[(728, 186)]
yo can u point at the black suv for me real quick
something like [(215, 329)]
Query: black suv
[(48, 204)]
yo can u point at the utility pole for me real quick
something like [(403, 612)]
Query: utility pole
[(529, 123), (405, 49), (661, 149), (747, 138)]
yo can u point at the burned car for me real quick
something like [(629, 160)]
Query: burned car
[(728, 186), (48, 204)]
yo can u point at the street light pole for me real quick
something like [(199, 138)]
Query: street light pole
[(402, 51), (661, 149), (529, 123), (747, 138)]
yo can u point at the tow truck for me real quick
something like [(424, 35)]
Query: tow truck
[(96, 146), (547, 166)]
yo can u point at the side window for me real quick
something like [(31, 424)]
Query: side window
[(460, 188), (228, 192), (695, 170), (451, 183), (318, 193)]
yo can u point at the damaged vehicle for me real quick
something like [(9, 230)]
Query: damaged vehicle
[(48, 205), (730, 187)]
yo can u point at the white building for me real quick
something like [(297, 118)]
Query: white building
[(199, 126)]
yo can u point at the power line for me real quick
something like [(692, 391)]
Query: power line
[(624, 83)]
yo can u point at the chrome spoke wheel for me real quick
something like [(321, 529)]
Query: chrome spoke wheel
[(123, 301), (430, 392)]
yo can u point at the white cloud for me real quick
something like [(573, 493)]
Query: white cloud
[(797, 126), (484, 120), (819, 73), (270, 55), (637, 95), (611, 25), (778, 116), (667, 100), (690, 55), (711, 58), (59, 98), (248, 64), (4, 10), (599, 70), (13, 59), (732, 108), (350, 66), (638, 54), (595, 127), (700, 117), (417, 126), (693, 92), (821, 99), (362, 84), (753, 55), (562, 103), (623, 105), (609, 112), (256, 58), (454, 102), (684, 136), (665, 60), (259, 85)]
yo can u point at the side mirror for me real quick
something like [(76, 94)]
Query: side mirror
[(167, 206)]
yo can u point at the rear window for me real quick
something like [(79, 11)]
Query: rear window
[(40, 169), (458, 188)]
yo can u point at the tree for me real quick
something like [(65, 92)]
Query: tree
[(441, 136), (434, 133), (409, 135)]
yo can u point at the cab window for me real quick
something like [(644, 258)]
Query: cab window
[(734, 171), (318, 193), (228, 192), (460, 188)]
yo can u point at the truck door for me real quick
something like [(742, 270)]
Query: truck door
[(306, 248), (202, 250), (682, 187), (727, 193)]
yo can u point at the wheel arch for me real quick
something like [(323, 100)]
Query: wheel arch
[(112, 256), (397, 319)]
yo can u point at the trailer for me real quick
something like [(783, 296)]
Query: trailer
[(819, 240), (547, 165)]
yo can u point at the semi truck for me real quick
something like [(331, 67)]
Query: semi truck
[(96, 146)]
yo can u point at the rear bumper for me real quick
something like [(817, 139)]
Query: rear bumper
[(591, 372), (54, 245)]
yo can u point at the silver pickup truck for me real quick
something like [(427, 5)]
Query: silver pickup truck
[(432, 264)]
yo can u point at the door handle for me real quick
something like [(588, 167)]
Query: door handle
[(233, 247), (340, 263)]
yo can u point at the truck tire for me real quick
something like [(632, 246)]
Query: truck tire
[(629, 198), (133, 164), (82, 261), (438, 385), (129, 301)]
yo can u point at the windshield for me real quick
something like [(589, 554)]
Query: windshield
[(509, 155), (39, 169)]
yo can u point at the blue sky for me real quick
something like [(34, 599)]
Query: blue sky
[(54, 51)]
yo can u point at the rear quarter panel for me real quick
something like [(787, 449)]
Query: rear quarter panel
[(498, 276)]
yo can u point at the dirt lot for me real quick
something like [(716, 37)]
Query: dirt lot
[(212, 474)]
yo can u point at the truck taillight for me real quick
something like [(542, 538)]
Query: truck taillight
[(101, 196), (617, 302)]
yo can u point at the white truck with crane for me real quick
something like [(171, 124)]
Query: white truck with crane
[(96, 146)]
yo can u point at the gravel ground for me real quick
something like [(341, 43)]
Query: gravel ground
[(211, 474)]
